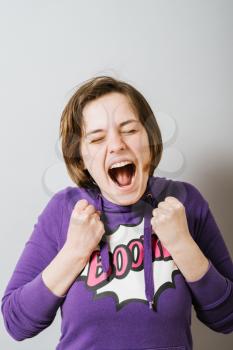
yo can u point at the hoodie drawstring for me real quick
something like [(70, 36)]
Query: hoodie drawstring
[(147, 259), (148, 264), (104, 254)]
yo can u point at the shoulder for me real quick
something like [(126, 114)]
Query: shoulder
[(187, 193), (68, 196)]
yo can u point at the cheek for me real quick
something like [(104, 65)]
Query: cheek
[(141, 145), (92, 158), (143, 150), (86, 155)]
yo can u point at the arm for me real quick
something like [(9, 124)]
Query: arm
[(211, 287), (63, 270), (190, 260), (28, 306)]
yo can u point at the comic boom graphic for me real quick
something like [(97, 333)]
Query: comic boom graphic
[(126, 275)]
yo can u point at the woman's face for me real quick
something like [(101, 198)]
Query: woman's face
[(113, 134)]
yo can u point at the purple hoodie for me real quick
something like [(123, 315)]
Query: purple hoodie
[(130, 295)]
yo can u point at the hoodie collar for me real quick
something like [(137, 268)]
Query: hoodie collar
[(149, 203)]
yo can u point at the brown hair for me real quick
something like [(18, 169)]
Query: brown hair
[(71, 124)]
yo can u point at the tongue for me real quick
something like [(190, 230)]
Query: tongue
[(123, 177)]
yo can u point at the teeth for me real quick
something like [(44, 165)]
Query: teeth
[(117, 165)]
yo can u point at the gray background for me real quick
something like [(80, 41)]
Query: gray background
[(177, 53)]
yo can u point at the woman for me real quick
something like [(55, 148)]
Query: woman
[(124, 254)]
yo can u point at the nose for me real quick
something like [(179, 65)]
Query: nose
[(116, 143)]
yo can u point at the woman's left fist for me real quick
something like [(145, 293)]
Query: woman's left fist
[(169, 222)]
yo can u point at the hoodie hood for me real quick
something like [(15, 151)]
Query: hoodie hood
[(130, 214)]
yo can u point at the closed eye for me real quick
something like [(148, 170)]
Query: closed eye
[(96, 140), (124, 132), (130, 131)]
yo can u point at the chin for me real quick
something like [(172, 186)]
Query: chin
[(129, 200), (122, 197)]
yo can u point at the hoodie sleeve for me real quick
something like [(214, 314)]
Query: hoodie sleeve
[(28, 306), (213, 293)]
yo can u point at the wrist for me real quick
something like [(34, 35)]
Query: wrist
[(72, 254), (189, 259), (179, 246)]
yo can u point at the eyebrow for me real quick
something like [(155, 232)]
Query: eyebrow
[(121, 124)]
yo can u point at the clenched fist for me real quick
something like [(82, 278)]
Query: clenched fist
[(169, 222), (85, 229)]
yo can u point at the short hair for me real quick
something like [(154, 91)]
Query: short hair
[(72, 125)]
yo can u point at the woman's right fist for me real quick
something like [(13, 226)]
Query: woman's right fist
[(85, 229)]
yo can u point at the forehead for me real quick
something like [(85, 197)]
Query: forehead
[(112, 108)]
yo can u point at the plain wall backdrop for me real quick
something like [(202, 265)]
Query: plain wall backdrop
[(178, 53)]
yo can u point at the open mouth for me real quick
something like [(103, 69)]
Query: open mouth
[(123, 175)]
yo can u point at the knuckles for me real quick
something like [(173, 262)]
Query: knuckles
[(170, 204), (174, 201), (82, 205), (82, 202)]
